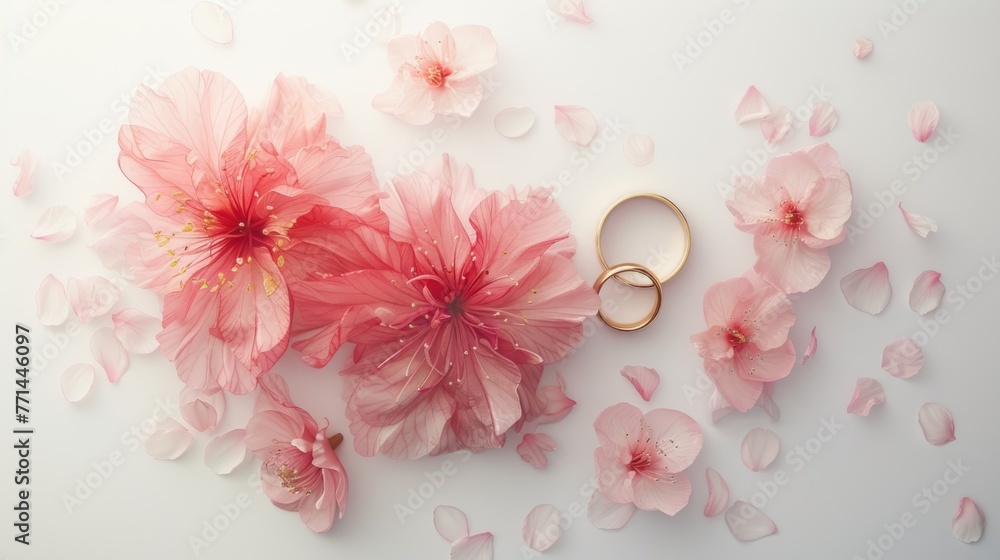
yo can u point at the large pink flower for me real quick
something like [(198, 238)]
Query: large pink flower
[(453, 316), (301, 471), (437, 72), (797, 209), (746, 343), (234, 203)]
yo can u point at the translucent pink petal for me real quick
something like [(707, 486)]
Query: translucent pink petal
[(541, 527), (823, 119), (451, 523), (92, 297), (776, 125), (751, 107), (924, 117), (759, 448), (202, 411), (533, 449), (638, 149), (109, 353), (514, 122), (55, 225), (644, 379), (226, 452), (718, 493), (927, 292), (720, 406), (476, 547), (868, 289), (212, 21), (99, 206), (76, 381), (969, 521), (863, 47), (570, 9), (811, 348), (747, 523), (51, 303), (169, 441), (555, 404), (136, 330), (606, 514), (766, 402), (867, 394), (937, 423), (677, 433), (26, 160), (576, 124), (903, 358), (921, 225)]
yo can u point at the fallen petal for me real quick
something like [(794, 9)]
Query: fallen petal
[(55, 225), (169, 441), (751, 107), (555, 404), (868, 289), (937, 423), (51, 303), (927, 292), (570, 9), (226, 452), (924, 117), (76, 381), (92, 297), (533, 449), (99, 206), (766, 402), (212, 21), (605, 514), (921, 225), (903, 358), (759, 448), (451, 523), (644, 379), (202, 411), (639, 149), (514, 122), (969, 521), (823, 119), (811, 349), (576, 124), (476, 547), (775, 126), (863, 47), (541, 528), (26, 160), (718, 493), (109, 353), (747, 523), (867, 394), (136, 330)]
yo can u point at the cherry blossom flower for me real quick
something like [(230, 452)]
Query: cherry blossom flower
[(301, 471), (795, 210), (437, 72)]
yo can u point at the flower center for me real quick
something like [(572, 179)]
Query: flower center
[(790, 214), (641, 460), (455, 306), (736, 338), (434, 75)]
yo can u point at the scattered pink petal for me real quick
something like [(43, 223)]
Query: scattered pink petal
[(514, 122), (576, 124), (51, 303), (476, 547), (775, 126), (863, 47), (644, 379), (811, 349), (867, 394), (937, 423), (921, 225), (26, 160), (927, 292), (55, 225), (718, 493), (213, 21), (136, 330), (226, 452), (823, 120), (924, 117), (555, 404), (759, 448), (606, 514), (639, 149), (969, 521), (747, 523), (570, 9), (92, 297), (169, 441), (533, 449), (903, 358), (202, 411), (541, 528), (868, 289), (451, 523), (751, 107), (109, 353), (76, 381), (99, 206)]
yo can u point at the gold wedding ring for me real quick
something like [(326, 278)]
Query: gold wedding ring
[(613, 272)]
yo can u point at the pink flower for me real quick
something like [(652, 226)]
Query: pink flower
[(641, 457), (301, 472), (797, 209), (436, 72), (746, 343), (453, 315), (235, 202)]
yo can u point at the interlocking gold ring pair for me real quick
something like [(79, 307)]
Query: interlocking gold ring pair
[(654, 281)]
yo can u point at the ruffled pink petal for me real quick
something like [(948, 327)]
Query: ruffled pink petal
[(811, 348), (92, 297), (533, 449), (109, 353), (927, 292), (924, 117), (788, 264), (76, 381), (766, 402), (644, 379), (937, 424), (747, 523), (751, 107), (867, 394), (541, 527), (678, 434), (475, 51), (55, 225), (638, 149), (776, 125), (903, 358), (718, 493), (863, 47), (669, 495), (202, 410), (969, 521), (451, 523), (720, 406), (921, 225), (576, 124), (169, 441), (555, 404), (606, 514), (514, 122), (868, 289), (823, 119), (212, 21), (570, 9), (226, 452), (476, 547), (759, 448), (26, 160), (136, 330), (740, 393), (99, 206), (51, 303)]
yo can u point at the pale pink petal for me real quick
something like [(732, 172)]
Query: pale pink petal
[(868, 289), (55, 225), (212, 21), (555, 404), (924, 117), (759, 448), (109, 353), (644, 379), (226, 452), (26, 160), (638, 149), (751, 107), (927, 292), (823, 119), (202, 411), (969, 521), (169, 441), (811, 348), (776, 125), (514, 122), (92, 297), (476, 547), (921, 225), (867, 394), (76, 381), (766, 402), (99, 206), (718, 493), (576, 124), (541, 528), (51, 303), (747, 523), (533, 449), (451, 523), (570, 9), (606, 514), (136, 330), (937, 423), (863, 47), (903, 358)]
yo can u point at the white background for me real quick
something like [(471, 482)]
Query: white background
[(75, 70)]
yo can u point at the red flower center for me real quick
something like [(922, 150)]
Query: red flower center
[(790, 214), (735, 337), (435, 75)]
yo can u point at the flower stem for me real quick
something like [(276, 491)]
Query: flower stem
[(335, 440)]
